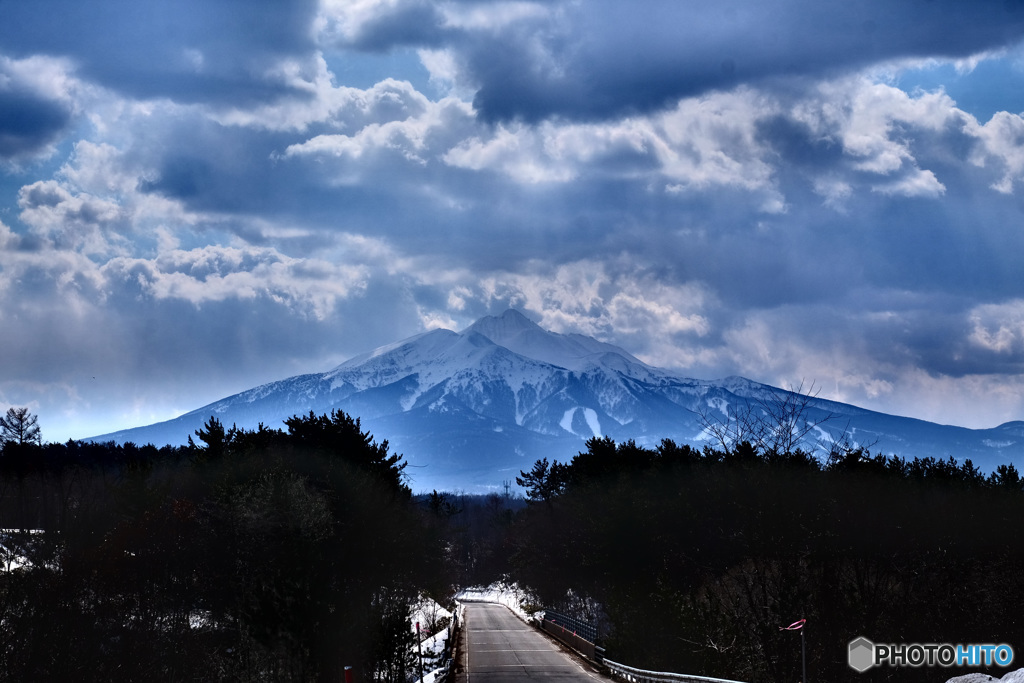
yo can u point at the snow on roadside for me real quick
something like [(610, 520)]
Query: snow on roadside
[(435, 626), (430, 614), (508, 594)]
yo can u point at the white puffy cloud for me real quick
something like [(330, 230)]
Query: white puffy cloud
[(711, 140), (48, 77), (863, 115), (918, 183), (443, 67), (95, 205), (703, 142), (716, 140), (415, 138), (616, 302), (307, 287), (1002, 145), (999, 328), (523, 155), (324, 103), (77, 221)]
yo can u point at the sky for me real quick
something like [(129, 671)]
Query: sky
[(200, 196)]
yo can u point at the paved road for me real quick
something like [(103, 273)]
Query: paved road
[(498, 647)]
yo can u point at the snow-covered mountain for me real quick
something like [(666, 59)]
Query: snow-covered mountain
[(471, 409)]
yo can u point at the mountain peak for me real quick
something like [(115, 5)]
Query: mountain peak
[(519, 334), (504, 327)]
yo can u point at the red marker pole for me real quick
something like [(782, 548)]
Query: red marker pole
[(348, 674), (419, 645)]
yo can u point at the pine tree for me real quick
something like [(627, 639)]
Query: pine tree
[(19, 426)]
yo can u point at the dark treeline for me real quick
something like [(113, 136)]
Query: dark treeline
[(288, 554), (478, 532), (694, 559), (253, 555)]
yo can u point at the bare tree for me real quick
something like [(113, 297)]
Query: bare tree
[(19, 426), (776, 422)]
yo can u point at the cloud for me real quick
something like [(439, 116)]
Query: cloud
[(603, 59), (726, 188), (619, 301), (94, 205), (76, 221), (702, 142), (1002, 145), (220, 51), (37, 104), (98, 345), (921, 361), (305, 287), (915, 184), (732, 189), (327, 105), (999, 329)]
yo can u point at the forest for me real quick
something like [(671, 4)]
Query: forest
[(258, 555), (693, 561), (289, 554)]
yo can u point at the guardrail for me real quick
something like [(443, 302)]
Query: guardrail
[(584, 629), (628, 673), (569, 637)]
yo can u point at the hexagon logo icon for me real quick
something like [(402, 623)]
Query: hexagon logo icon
[(862, 654)]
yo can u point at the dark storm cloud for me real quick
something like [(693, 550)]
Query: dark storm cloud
[(605, 58), (29, 123), (217, 168), (190, 50), (418, 23), (619, 60)]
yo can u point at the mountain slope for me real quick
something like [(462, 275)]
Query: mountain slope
[(470, 409)]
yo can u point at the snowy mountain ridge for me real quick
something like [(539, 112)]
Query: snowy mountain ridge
[(470, 409)]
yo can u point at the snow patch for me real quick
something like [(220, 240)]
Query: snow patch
[(719, 404), (824, 436), (566, 421), (435, 630), (409, 400), (589, 416)]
